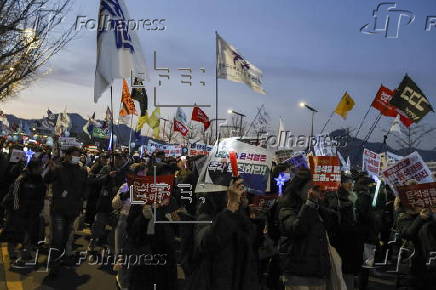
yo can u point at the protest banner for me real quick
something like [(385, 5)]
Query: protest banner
[(199, 149), (102, 133), (67, 142), (170, 150), (371, 162), (144, 190), (326, 172), (254, 166), (387, 159), (411, 167), (298, 161), (418, 196)]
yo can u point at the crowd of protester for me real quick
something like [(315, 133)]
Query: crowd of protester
[(308, 239)]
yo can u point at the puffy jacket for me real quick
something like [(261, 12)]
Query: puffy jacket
[(303, 244), (70, 179)]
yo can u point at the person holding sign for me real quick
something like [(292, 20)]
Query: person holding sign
[(419, 227), (304, 246), (224, 251)]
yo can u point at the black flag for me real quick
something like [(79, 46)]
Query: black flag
[(411, 100), (140, 95)]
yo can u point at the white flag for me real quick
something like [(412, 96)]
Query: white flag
[(233, 67), (118, 49), (396, 125), (180, 116)]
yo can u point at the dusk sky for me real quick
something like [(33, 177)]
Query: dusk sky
[(310, 51)]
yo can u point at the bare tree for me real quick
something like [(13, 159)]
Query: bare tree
[(260, 123), (413, 136), (29, 37)]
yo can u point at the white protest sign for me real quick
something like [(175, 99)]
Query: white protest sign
[(411, 167), (371, 162)]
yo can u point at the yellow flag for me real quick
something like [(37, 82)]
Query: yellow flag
[(345, 105), (141, 121), (154, 120), (156, 132)]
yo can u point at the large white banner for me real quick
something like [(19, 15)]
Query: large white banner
[(233, 67), (411, 167), (254, 166)]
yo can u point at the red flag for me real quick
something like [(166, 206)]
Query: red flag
[(180, 127), (382, 103), (200, 116), (128, 104)]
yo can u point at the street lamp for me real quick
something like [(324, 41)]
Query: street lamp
[(304, 105), (240, 115)]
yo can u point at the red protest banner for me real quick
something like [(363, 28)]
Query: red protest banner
[(145, 191), (418, 196), (326, 172)]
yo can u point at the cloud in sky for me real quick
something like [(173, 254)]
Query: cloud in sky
[(308, 50)]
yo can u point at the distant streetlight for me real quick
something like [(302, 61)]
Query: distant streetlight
[(313, 110), (240, 115)]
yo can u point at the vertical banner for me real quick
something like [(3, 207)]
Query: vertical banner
[(326, 172), (412, 167), (371, 162)]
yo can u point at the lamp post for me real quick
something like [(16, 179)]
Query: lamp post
[(304, 105), (240, 115)]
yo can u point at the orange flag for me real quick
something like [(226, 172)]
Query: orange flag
[(127, 101)]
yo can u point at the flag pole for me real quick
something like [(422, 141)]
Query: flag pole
[(130, 135), (361, 123), (216, 85), (328, 121), (112, 128)]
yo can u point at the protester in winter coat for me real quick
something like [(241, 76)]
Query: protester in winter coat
[(345, 237), (69, 191), (94, 188), (224, 250), (110, 177), (304, 245), (420, 229), (122, 203), (28, 192)]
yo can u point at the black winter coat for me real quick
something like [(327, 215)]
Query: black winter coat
[(225, 254), (72, 179), (303, 245), (346, 237)]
